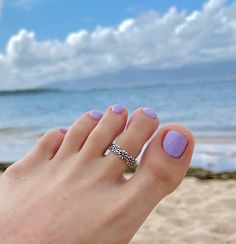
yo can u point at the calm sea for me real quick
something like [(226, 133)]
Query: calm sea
[(208, 109)]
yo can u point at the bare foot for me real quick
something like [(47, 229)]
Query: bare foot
[(66, 191)]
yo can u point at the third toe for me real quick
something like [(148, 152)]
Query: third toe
[(78, 133), (109, 127)]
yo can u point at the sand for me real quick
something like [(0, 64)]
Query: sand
[(197, 212)]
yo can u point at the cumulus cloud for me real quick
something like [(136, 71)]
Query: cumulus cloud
[(152, 40)]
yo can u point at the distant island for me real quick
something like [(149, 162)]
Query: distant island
[(134, 78)]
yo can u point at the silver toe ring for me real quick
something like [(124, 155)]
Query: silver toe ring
[(122, 154)]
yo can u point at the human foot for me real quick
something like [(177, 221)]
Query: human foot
[(66, 191)]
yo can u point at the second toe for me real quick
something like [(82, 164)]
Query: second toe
[(142, 125)]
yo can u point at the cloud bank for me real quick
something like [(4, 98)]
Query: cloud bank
[(152, 40)]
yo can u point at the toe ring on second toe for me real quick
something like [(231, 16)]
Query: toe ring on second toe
[(123, 155)]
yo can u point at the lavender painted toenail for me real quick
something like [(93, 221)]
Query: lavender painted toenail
[(95, 114), (63, 130), (117, 109), (150, 112), (174, 143)]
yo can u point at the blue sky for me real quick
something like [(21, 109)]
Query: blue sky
[(45, 41), (57, 18)]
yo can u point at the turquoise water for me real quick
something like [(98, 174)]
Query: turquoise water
[(208, 109)]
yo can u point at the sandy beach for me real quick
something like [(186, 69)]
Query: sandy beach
[(197, 212)]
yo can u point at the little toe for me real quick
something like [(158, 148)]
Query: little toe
[(109, 127), (48, 144), (79, 132), (45, 150), (141, 127)]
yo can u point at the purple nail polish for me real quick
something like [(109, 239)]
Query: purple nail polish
[(95, 114), (118, 109), (174, 143), (150, 112), (63, 130)]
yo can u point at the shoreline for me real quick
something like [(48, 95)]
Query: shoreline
[(198, 173)]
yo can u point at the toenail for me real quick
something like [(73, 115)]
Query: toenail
[(150, 112), (117, 109), (95, 114), (63, 130), (174, 143)]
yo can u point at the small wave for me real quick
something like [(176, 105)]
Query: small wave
[(21, 128), (21, 133)]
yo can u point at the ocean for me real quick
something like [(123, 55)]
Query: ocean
[(207, 108)]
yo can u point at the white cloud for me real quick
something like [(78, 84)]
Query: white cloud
[(1, 5), (173, 39), (213, 4)]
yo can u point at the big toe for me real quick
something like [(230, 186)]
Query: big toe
[(163, 165)]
